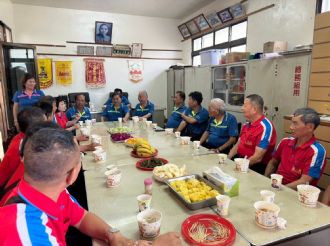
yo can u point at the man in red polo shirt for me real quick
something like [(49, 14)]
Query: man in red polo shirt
[(40, 209), (300, 159), (258, 136), (11, 160)]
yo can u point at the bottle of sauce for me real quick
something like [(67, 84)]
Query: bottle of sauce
[(148, 186)]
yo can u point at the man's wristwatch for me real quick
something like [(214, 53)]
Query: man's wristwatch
[(111, 231)]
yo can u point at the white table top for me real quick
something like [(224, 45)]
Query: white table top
[(118, 206)]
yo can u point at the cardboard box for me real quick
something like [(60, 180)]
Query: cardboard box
[(275, 46), (236, 56)]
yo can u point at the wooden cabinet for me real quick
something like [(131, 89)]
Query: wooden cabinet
[(319, 90)]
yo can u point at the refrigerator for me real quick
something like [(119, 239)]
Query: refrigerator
[(283, 84), (175, 82)]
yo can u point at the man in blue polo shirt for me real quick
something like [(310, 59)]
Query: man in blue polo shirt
[(79, 109), (195, 118), (145, 108), (124, 99), (175, 118), (116, 109), (222, 131)]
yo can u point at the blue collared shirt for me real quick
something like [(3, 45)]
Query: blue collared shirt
[(84, 115), (220, 132), (139, 111), (112, 114), (25, 101), (124, 100), (175, 118), (200, 126)]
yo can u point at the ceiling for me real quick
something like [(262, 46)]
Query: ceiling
[(175, 9)]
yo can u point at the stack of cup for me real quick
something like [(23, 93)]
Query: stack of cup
[(99, 156), (96, 139)]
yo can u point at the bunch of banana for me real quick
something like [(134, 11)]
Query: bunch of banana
[(144, 149)]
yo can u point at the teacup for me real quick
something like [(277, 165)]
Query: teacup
[(242, 164), (185, 140), (81, 123), (149, 222), (100, 155), (223, 204), (96, 139), (120, 120), (267, 195), (144, 202), (276, 181), (154, 125), (177, 134), (93, 121), (135, 119), (148, 123), (113, 177), (168, 131), (222, 158), (196, 144), (308, 195), (266, 214), (88, 122)]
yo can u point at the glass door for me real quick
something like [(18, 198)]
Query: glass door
[(220, 83), (236, 85)]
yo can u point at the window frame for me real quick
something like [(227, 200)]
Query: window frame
[(227, 45)]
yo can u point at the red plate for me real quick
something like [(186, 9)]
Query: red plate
[(209, 221), (133, 153), (138, 164)]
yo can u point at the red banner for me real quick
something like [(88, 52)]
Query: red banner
[(95, 75)]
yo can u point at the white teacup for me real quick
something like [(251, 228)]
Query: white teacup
[(276, 181), (144, 120), (308, 195), (88, 122), (196, 144), (100, 155), (185, 140), (222, 158), (177, 134), (242, 164), (113, 177), (154, 125), (267, 195), (144, 202), (85, 131), (223, 204), (98, 148), (148, 123), (93, 121), (81, 123), (96, 139), (120, 120), (149, 222), (168, 131), (266, 214), (135, 119)]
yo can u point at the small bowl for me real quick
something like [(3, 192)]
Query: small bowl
[(113, 177), (149, 222), (308, 195)]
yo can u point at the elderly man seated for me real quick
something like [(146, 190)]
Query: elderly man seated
[(258, 136), (79, 110), (145, 108), (300, 159), (222, 131)]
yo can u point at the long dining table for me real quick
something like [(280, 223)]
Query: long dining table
[(118, 206)]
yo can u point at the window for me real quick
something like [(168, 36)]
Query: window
[(322, 6), (207, 40), (228, 39)]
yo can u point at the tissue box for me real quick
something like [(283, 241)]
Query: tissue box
[(228, 185)]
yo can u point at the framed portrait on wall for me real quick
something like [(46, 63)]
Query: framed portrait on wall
[(184, 31), (103, 32), (237, 10), (202, 23), (225, 15), (213, 19), (192, 27)]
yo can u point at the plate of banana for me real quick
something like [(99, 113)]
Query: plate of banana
[(143, 149)]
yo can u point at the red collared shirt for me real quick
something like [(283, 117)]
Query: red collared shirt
[(61, 119), (308, 159), (40, 220), (11, 159), (260, 133)]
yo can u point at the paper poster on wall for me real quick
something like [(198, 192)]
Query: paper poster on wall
[(95, 74), (135, 71), (63, 72), (45, 72)]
